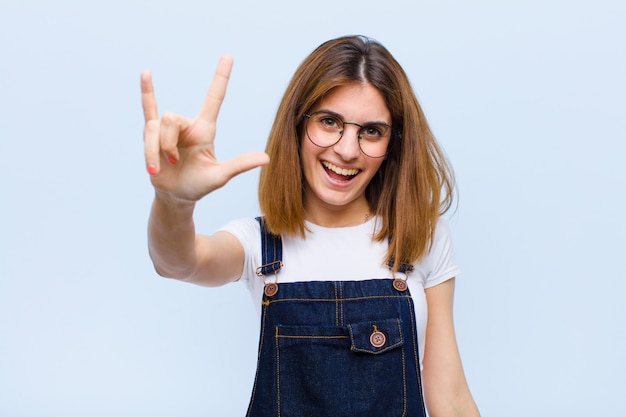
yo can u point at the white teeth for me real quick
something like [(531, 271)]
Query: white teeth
[(340, 171)]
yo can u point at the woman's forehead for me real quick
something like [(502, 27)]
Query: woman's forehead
[(356, 102)]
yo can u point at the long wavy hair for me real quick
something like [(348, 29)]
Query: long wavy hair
[(415, 183)]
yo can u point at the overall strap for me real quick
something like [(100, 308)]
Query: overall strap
[(271, 250), (399, 283), (404, 268)]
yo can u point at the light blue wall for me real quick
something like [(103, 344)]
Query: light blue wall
[(527, 98)]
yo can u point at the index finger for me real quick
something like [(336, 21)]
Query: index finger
[(217, 90), (148, 100)]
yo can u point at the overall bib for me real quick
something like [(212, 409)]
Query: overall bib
[(335, 348)]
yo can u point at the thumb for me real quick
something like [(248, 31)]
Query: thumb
[(243, 163)]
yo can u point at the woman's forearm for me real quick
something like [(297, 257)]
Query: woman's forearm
[(171, 237)]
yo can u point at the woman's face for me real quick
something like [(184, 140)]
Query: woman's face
[(336, 177)]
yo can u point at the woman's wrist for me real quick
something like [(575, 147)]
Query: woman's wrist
[(166, 199)]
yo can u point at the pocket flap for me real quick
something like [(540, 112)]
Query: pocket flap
[(376, 336)]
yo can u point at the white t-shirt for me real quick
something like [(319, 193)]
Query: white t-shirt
[(344, 254)]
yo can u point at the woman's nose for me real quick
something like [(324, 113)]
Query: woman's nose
[(348, 146)]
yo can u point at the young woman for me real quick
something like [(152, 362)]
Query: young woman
[(351, 266)]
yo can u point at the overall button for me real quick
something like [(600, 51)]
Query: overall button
[(270, 289), (378, 338), (400, 285)]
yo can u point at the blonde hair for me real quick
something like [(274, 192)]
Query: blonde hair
[(415, 183)]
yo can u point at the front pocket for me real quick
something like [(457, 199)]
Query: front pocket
[(337, 371), (364, 336)]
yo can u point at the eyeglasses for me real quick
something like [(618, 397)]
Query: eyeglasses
[(325, 129)]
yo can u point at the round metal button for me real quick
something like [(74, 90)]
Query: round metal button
[(378, 339), (270, 289), (400, 284)]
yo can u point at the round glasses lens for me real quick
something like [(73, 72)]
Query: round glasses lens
[(326, 129), (374, 138)]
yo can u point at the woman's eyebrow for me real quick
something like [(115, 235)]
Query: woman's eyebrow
[(339, 116), (330, 112)]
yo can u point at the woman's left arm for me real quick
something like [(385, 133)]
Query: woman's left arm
[(445, 387)]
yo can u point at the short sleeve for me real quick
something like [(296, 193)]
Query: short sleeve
[(247, 231), (440, 264)]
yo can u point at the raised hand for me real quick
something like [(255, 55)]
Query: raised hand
[(180, 152)]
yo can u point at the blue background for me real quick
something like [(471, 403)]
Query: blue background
[(526, 97)]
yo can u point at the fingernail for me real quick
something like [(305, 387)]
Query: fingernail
[(152, 170), (171, 160)]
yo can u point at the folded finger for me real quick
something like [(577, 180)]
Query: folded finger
[(171, 126)]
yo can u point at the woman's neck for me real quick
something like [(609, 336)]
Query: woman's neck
[(352, 214)]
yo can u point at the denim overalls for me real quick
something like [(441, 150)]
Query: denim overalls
[(335, 348)]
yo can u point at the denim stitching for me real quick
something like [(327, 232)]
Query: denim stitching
[(416, 355), (404, 398), (388, 348), (403, 375), (334, 300), (256, 376), (277, 374), (341, 318), (336, 305), (311, 337), (265, 247), (270, 244)]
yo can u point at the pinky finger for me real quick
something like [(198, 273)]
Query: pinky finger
[(151, 146)]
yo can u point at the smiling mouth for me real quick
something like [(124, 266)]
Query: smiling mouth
[(340, 173)]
